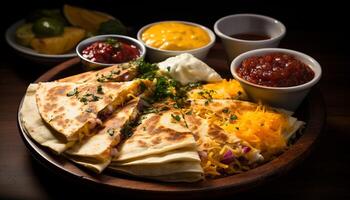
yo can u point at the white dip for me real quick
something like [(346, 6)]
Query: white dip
[(186, 68)]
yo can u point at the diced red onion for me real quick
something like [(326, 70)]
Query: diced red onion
[(203, 154), (246, 149), (228, 157)]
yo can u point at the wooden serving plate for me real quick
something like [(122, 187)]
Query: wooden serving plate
[(312, 111)]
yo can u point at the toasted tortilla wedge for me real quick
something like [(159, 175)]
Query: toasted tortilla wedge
[(177, 155), (36, 128), (160, 147), (74, 109), (98, 149), (116, 73), (158, 133), (152, 170)]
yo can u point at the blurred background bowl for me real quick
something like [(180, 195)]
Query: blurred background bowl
[(157, 55), (248, 24), (282, 97)]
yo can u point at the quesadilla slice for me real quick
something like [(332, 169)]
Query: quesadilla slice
[(74, 110), (36, 128), (160, 146), (116, 73), (96, 151)]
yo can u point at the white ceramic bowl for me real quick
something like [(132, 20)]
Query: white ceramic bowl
[(282, 97), (248, 23), (157, 55), (93, 65)]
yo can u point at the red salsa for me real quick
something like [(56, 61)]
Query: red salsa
[(275, 70), (111, 51)]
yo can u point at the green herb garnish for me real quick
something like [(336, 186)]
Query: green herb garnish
[(110, 131), (143, 86), (189, 112), (72, 93), (225, 110), (146, 70), (176, 117), (99, 89), (233, 117)]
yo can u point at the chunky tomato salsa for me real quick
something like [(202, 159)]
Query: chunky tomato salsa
[(111, 51), (275, 70)]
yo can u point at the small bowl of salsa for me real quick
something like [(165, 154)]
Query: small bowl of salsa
[(106, 50), (277, 77)]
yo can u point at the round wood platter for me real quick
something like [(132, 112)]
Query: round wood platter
[(312, 111)]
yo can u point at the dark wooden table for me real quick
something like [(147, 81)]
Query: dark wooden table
[(325, 174)]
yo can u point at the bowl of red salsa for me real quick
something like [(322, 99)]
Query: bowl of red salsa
[(277, 77), (106, 50)]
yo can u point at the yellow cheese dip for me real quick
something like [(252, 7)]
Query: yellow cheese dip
[(175, 36)]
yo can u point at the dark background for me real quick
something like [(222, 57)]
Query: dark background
[(327, 19), (318, 28)]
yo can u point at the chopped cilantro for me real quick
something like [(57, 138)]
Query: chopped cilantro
[(72, 93), (233, 117), (99, 89), (110, 131), (176, 117), (189, 112), (225, 110), (146, 70), (143, 86)]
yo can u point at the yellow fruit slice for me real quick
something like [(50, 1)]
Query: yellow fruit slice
[(59, 44), (87, 19)]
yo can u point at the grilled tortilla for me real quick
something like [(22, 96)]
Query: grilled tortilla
[(160, 147), (116, 73), (74, 109), (36, 128), (96, 151)]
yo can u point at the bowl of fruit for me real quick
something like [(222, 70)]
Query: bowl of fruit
[(51, 35)]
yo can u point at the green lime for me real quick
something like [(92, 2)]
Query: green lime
[(47, 27), (112, 27)]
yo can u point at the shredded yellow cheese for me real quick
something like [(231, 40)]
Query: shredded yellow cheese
[(262, 129)]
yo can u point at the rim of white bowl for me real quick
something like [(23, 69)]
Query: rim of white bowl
[(210, 33), (267, 18), (313, 64), (10, 39), (90, 40)]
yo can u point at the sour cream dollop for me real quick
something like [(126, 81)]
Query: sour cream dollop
[(186, 68)]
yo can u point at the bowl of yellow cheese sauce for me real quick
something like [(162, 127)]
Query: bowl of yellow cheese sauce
[(170, 38)]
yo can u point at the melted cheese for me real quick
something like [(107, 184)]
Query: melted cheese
[(175, 36), (224, 89)]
